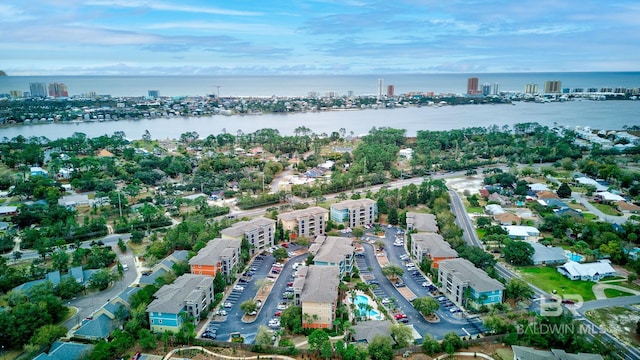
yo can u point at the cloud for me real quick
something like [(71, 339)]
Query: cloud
[(164, 6)]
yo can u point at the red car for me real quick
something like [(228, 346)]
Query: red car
[(400, 316), (278, 313), (290, 283)]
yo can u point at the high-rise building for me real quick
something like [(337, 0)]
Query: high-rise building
[(58, 90), (552, 86), (15, 94), (472, 86), (531, 89), (391, 90), (495, 89), (380, 88), (38, 89), (486, 89), (154, 94)]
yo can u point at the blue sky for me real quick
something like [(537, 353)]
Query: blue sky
[(191, 37)]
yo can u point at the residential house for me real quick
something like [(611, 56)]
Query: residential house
[(518, 232), (8, 210), (319, 296), (219, 255), (535, 187), (507, 218), (547, 255), (259, 232), (432, 246), (553, 202), (500, 199), (591, 182), (421, 222), (105, 320), (458, 275), (104, 153), (308, 222), (54, 277), (547, 194), (494, 209), (64, 350), (528, 353), (71, 201), (189, 294), (333, 251), (607, 198), (355, 212), (163, 267), (587, 271), (626, 207)]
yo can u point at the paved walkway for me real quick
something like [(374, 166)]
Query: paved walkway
[(171, 354), (466, 354), (598, 290)]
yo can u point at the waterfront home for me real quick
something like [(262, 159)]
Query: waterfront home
[(457, 275), (432, 246), (421, 222), (259, 232), (219, 255), (333, 251), (594, 271), (319, 296), (354, 213), (306, 222), (189, 294)]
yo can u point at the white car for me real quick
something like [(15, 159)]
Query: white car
[(238, 288), (409, 265), (425, 284), (398, 243), (274, 323)]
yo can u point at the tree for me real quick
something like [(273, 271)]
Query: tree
[(518, 253), (317, 338), (291, 319), (392, 271), (326, 350), (357, 232), (100, 280), (249, 306), (430, 346), (47, 334), (219, 283), (392, 218), (147, 340), (451, 342), (264, 336), (280, 254), (402, 334), (381, 348), (518, 290), (426, 305), (564, 191)]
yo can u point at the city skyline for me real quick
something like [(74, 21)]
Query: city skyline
[(197, 37)]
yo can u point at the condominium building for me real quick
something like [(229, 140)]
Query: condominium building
[(433, 246), (308, 222), (552, 86), (189, 294), (472, 86), (333, 251), (259, 232), (58, 90), (319, 296), (457, 275), (219, 255), (531, 89), (355, 212), (38, 89), (421, 222)]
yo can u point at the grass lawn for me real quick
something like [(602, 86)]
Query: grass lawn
[(590, 216), (549, 279), (475, 209), (614, 293), (607, 209)]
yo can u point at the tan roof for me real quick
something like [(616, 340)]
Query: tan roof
[(623, 205), (435, 245), (477, 278), (240, 228), (507, 217), (215, 249), (321, 284), (170, 298), (349, 204), (423, 222), (547, 194), (104, 153), (333, 249), (296, 214)]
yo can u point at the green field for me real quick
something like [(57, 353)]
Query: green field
[(606, 209), (549, 279)]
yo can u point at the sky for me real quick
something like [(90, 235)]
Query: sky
[(299, 37)]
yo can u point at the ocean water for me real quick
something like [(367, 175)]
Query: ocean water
[(609, 115), (265, 86)]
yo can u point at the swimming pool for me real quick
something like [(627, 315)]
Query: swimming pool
[(573, 256), (372, 314)]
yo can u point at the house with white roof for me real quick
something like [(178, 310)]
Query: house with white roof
[(607, 197), (589, 181), (519, 232), (587, 272)]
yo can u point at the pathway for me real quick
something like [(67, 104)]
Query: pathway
[(220, 356), (598, 290), (466, 354)]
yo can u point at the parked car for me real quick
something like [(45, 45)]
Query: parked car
[(227, 304), (278, 313), (275, 322), (425, 284), (400, 284), (373, 282), (386, 301), (399, 316), (404, 320)]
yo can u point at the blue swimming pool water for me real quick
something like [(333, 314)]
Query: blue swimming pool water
[(363, 299), (575, 257)]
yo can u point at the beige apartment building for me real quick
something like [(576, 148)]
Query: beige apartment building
[(308, 222), (259, 232), (355, 212), (319, 296)]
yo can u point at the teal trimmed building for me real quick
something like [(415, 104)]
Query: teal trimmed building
[(466, 285), (355, 212)]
